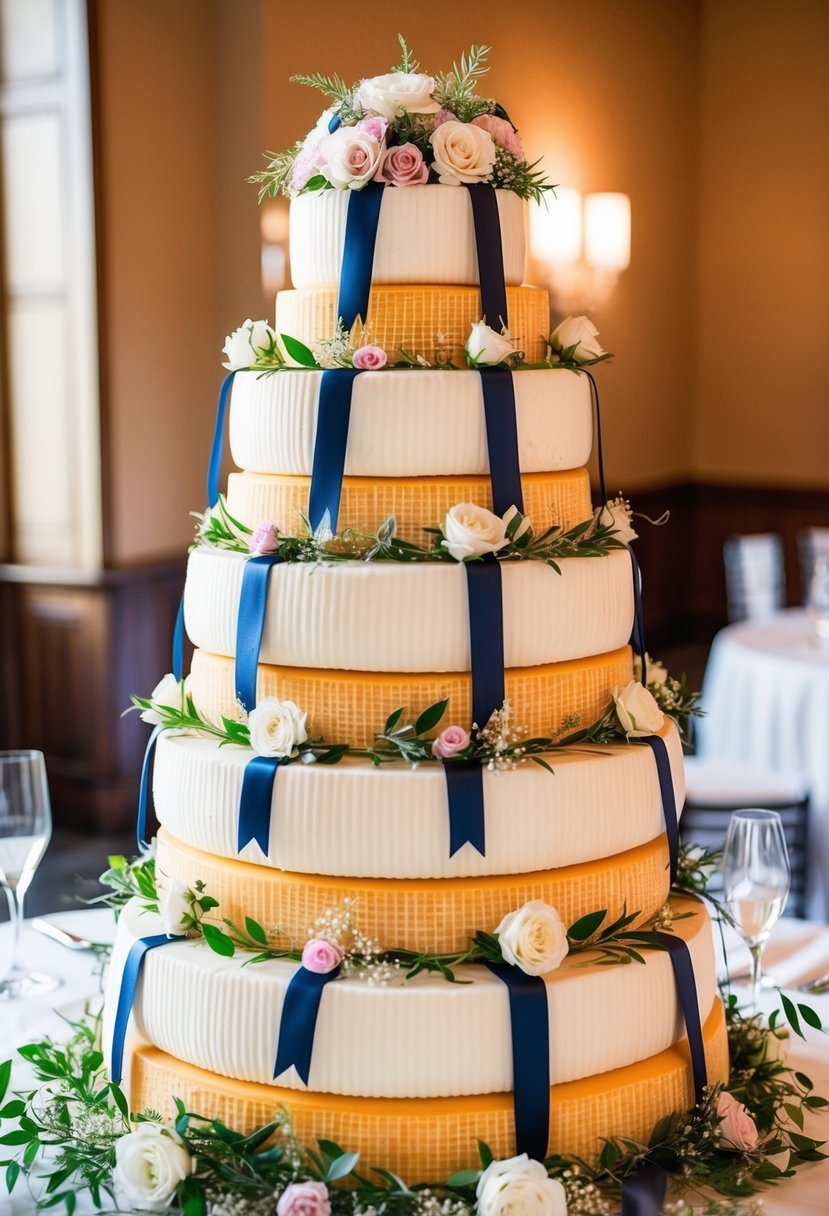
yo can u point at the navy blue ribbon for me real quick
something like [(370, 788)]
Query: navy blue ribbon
[(330, 442), (686, 987), (490, 254), (215, 464), (465, 797), (250, 626), (126, 997), (358, 252), (178, 641), (502, 438), (594, 393), (637, 637), (530, 1029), (666, 790), (643, 1194), (255, 802), (486, 637), (144, 790), (298, 1022)]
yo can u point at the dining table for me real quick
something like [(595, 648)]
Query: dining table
[(765, 703), (797, 952)]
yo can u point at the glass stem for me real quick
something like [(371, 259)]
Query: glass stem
[(15, 920), (756, 959)]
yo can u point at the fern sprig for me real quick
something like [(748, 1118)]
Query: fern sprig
[(407, 63), (455, 91), (333, 86)]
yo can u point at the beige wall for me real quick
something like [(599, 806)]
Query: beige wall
[(762, 398)]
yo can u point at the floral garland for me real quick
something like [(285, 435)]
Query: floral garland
[(403, 129)]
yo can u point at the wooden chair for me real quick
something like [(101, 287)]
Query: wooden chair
[(754, 578)]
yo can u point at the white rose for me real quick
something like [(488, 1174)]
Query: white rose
[(349, 157), (397, 93), (637, 710), (519, 1186), (618, 515), (657, 673), (471, 531), (174, 907), (149, 1164), (533, 938), (170, 692), (462, 153), (253, 342), (486, 346), (276, 727), (579, 332)]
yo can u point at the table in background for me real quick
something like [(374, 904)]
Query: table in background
[(766, 702)]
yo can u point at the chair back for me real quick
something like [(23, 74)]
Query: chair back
[(812, 544), (754, 578)]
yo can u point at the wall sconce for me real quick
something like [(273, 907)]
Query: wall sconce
[(583, 245)]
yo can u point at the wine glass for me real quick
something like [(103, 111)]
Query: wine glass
[(818, 602), (755, 872), (25, 829)]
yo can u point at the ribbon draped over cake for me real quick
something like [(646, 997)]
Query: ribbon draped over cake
[(253, 603), (530, 1029), (300, 1010), (126, 996), (668, 795), (255, 802), (330, 443)]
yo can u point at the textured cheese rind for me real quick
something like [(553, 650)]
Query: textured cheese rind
[(392, 822), (409, 423), (410, 319), (425, 234), (437, 915), (430, 1138), (352, 707), (392, 616), (217, 1014), (416, 503)]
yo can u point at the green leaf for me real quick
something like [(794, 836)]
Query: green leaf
[(120, 1100), (397, 1184), (13, 1109), (256, 931), (810, 1017), (16, 1137), (331, 1149), (794, 1113), (392, 720), (586, 926), (5, 1077), (218, 940), (464, 1178), (791, 1015), (298, 351), (31, 1151), (12, 1174), (341, 1166), (430, 717), (257, 1138), (485, 1153), (609, 1155)]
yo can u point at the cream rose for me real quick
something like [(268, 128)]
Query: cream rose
[(149, 1164), (471, 531), (581, 333), (276, 727), (462, 153), (617, 514), (533, 938), (657, 673), (737, 1129), (485, 346), (175, 909), (253, 342), (168, 692), (519, 1186), (637, 710), (348, 158), (397, 93)]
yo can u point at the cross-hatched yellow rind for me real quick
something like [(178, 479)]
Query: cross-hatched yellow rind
[(410, 318), (437, 915), (428, 1139), (352, 706), (416, 503)]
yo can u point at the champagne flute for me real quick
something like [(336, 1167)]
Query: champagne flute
[(755, 873), (25, 830)]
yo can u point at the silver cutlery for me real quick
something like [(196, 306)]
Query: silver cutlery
[(816, 986), (64, 936)]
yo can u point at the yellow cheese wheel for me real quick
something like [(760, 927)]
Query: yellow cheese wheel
[(352, 707), (436, 915), (410, 319), (415, 502), (428, 1139)]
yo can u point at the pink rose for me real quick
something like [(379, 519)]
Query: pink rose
[(403, 166), (321, 956), (370, 358), (265, 539), (503, 132), (376, 126), (304, 1199), (449, 742), (306, 165), (737, 1129), (443, 116)]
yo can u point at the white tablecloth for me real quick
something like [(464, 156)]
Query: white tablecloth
[(798, 950), (766, 702)]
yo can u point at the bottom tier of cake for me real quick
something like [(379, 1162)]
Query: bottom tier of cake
[(428, 1139)]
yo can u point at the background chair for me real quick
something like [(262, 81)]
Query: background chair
[(812, 543), (754, 579), (714, 790)]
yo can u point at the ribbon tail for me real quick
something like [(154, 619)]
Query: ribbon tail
[(255, 803), (465, 797), (126, 998), (643, 1194), (668, 795), (486, 637), (498, 390), (530, 1030), (299, 1020), (250, 625), (686, 987), (178, 641), (215, 462), (144, 790)]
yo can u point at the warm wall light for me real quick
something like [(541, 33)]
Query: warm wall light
[(583, 245), (555, 228), (607, 231)]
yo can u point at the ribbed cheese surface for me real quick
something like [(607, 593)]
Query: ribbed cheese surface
[(392, 821), (425, 234), (409, 423), (390, 616), (218, 1014)]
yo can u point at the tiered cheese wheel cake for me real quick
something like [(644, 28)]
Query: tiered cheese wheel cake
[(413, 1074)]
